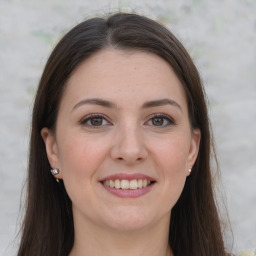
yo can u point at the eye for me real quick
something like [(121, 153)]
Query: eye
[(160, 120), (95, 120)]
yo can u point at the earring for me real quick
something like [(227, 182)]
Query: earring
[(54, 171), (189, 170)]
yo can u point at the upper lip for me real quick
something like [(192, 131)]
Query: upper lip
[(127, 176)]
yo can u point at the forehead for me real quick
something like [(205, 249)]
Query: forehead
[(120, 76)]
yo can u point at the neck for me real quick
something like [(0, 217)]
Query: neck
[(94, 240)]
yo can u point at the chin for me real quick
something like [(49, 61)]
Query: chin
[(129, 225), (131, 220)]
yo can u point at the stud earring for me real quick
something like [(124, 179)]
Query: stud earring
[(54, 171), (189, 170)]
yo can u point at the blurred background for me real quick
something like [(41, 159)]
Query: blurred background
[(220, 36)]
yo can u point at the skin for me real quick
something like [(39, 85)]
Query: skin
[(127, 139)]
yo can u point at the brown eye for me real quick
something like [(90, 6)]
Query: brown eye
[(157, 121), (160, 120), (95, 121)]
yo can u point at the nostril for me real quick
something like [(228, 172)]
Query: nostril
[(126, 153), (137, 160)]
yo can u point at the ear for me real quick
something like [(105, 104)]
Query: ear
[(194, 147), (51, 150)]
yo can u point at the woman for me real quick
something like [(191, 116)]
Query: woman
[(120, 121)]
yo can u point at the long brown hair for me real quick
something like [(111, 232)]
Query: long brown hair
[(48, 225)]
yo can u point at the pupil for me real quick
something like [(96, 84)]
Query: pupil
[(158, 121), (96, 121)]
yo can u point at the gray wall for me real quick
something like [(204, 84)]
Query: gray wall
[(221, 37)]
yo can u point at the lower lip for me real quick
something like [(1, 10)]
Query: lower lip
[(129, 193)]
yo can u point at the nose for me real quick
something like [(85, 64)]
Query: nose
[(129, 146)]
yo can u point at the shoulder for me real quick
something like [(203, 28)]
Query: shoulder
[(248, 253)]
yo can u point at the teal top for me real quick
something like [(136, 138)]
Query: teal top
[(248, 253)]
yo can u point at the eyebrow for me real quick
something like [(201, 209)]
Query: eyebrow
[(95, 101), (161, 102), (108, 104)]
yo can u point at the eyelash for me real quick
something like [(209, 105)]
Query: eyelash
[(103, 118), (94, 116), (165, 117)]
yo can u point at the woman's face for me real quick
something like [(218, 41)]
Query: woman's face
[(123, 142)]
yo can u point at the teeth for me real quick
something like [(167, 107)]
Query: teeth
[(126, 184), (133, 184), (111, 183), (139, 183), (117, 184)]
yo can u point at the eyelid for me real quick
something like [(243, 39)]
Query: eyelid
[(166, 116), (149, 118), (94, 115)]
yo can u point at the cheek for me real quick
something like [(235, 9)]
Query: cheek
[(173, 154), (171, 162), (80, 157)]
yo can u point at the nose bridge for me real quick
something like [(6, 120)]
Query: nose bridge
[(129, 145)]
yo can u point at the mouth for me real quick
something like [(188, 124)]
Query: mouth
[(127, 184)]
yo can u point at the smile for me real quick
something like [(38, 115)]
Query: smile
[(127, 184)]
